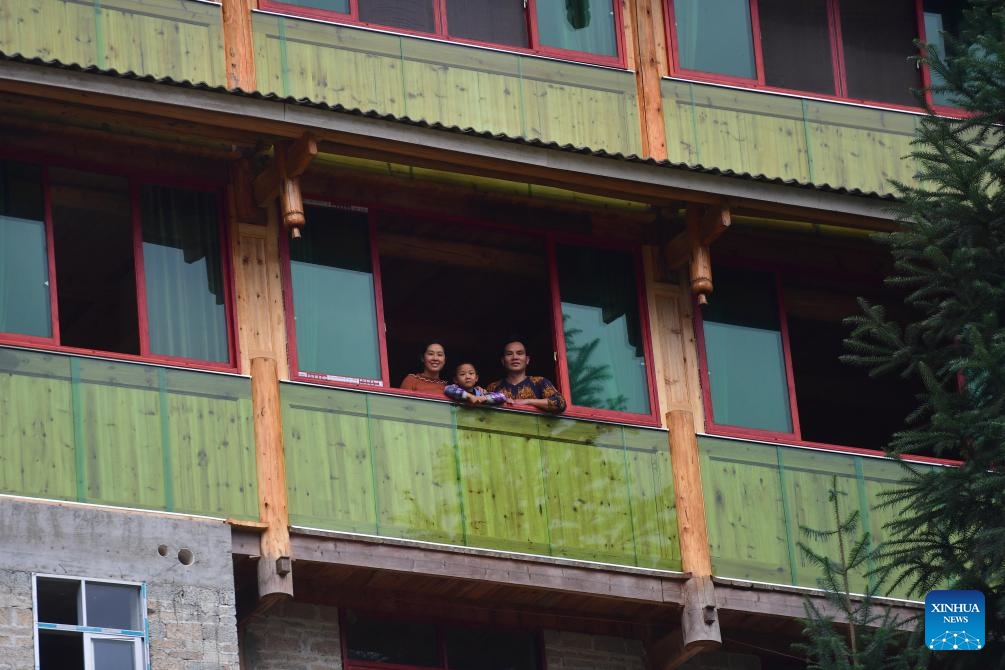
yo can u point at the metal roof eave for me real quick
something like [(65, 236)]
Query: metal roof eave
[(404, 140)]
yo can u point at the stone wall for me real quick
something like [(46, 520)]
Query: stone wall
[(293, 636), (578, 651), (184, 562)]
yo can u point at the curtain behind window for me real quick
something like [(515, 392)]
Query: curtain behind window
[(182, 265), (577, 25)]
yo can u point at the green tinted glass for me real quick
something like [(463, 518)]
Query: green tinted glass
[(333, 295), (496, 479), (577, 25), (603, 336), (715, 36), (24, 264), (743, 346), (184, 280)]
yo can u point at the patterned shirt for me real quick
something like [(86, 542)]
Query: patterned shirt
[(456, 392), (530, 388)]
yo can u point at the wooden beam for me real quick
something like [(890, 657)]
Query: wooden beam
[(691, 525), (675, 353), (646, 22), (275, 578), (714, 222), (542, 573), (289, 161), (259, 310), (460, 254), (238, 44), (700, 622)]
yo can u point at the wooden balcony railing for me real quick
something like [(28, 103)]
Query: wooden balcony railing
[(181, 39), (496, 479), (126, 434), (758, 496)]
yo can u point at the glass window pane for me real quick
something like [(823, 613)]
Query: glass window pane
[(57, 601), (389, 641), (795, 45), (409, 14), (114, 654), (743, 346), (60, 650), (485, 649), (93, 248), (714, 36), (603, 335), (333, 295), (488, 21), (340, 6), (878, 40), (941, 16), (113, 606), (577, 25), (24, 264), (184, 279)]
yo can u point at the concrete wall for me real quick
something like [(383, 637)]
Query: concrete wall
[(190, 608)]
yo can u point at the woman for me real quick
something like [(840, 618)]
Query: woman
[(428, 381)]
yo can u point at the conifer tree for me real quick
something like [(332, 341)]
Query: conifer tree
[(949, 259), (871, 637)]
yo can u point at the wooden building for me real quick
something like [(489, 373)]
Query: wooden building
[(228, 229)]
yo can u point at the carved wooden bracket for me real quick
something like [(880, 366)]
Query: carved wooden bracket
[(704, 226), (281, 179)]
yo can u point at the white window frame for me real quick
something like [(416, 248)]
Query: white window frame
[(138, 638)]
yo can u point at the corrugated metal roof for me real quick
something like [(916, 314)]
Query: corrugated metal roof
[(420, 123)]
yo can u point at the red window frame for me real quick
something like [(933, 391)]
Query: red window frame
[(837, 61), (135, 180), (442, 30), (793, 438), (549, 240), (440, 625)]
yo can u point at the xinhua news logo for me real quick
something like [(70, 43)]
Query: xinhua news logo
[(954, 620)]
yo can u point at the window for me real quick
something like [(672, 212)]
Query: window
[(941, 17), (370, 288), (582, 29), (372, 641), (771, 345), (102, 262), (857, 49), (88, 624)]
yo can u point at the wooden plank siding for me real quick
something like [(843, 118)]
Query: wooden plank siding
[(759, 496), (469, 87), (123, 434), (425, 470), (783, 136), (181, 39)]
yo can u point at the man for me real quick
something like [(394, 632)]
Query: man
[(522, 390)]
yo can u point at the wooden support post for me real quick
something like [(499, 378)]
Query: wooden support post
[(701, 258), (646, 20), (275, 578), (238, 44), (700, 620), (282, 178)]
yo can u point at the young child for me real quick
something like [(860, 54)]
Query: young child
[(466, 389)]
